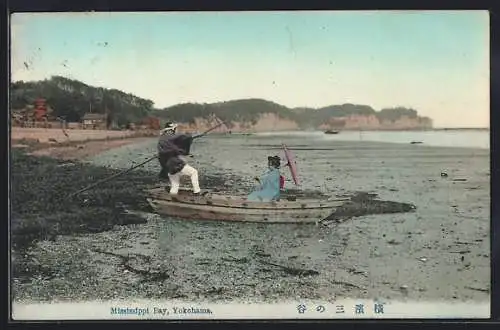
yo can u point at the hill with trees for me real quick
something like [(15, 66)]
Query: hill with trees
[(235, 111), (250, 110), (72, 99)]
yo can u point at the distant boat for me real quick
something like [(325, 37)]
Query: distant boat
[(331, 132), (416, 142)]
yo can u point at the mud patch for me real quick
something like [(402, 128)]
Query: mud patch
[(363, 203), (128, 261)]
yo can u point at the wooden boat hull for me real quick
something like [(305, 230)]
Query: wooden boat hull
[(233, 208)]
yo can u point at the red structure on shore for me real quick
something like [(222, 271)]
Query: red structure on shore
[(40, 110)]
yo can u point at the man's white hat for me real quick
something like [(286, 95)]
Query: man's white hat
[(168, 127)]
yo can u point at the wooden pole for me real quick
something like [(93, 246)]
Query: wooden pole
[(112, 177)]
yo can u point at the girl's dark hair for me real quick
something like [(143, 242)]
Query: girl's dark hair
[(274, 161)]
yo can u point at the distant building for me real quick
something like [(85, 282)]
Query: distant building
[(37, 115), (94, 121), (40, 112)]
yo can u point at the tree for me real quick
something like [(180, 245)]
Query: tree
[(72, 99), (109, 120)]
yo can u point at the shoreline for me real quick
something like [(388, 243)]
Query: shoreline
[(82, 150), (59, 135), (76, 150)]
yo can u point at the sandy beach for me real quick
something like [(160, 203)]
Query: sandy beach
[(44, 135), (77, 144), (81, 151), (439, 252)]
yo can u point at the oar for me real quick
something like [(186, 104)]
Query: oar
[(112, 177), (132, 168), (208, 131)]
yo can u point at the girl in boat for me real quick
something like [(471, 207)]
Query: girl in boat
[(170, 147), (270, 184)]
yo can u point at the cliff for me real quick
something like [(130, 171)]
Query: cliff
[(255, 115), (372, 122), (265, 123)]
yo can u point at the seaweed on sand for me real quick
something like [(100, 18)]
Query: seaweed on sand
[(41, 210)]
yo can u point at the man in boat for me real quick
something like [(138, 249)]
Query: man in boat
[(171, 148), (270, 183)]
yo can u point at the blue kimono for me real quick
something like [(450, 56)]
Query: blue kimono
[(269, 189)]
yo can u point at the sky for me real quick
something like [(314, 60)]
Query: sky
[(436, 62)]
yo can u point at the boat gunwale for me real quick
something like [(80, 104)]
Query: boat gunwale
[(328, 204), (161, 206)]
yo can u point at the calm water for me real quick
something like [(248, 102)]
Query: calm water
[(458, 138)]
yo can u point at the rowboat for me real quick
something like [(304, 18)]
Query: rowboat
[(219, 207)]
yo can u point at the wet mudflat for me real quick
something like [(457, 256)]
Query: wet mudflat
[(435, 247)]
